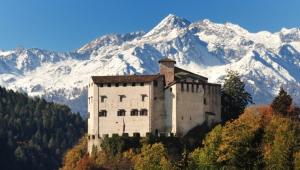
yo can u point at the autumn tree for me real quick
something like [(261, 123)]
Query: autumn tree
[(234, 97), (279, 143), (206, 157), (152, 157)]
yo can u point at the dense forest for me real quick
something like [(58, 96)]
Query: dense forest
[(34, 134)]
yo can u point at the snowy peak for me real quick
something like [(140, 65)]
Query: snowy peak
[(109, 40), (169, 24)]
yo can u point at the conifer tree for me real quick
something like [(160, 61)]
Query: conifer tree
[(234, 96), (282, 103)]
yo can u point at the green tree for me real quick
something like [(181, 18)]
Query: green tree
[(207, 157), (234, 97), (152, 157), (282, 103)]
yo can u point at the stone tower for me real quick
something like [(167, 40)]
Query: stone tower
[(166, 68)]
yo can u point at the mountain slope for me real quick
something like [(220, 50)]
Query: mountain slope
[(265, 60)]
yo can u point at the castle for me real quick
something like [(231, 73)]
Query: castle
[(171, 102)]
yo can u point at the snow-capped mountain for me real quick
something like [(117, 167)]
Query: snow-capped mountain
[(265, 60)]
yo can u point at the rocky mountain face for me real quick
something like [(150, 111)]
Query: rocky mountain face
[(265, 60)]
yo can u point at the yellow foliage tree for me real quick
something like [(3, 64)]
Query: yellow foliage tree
[(152, 157), (74, 155)]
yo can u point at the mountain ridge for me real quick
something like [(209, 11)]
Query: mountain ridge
[(265, 60)]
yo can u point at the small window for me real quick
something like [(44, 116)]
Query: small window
[(144, 97), (109, 85), (102, 113), (144, 112), (204, 101), (142, 84), (122, 98), (121, 112), (170, 89), (117, 84), (103, 99), (124, 84), (133, 84), (93, 136), (197, 88), (100, 85), (155, 83), (182, 86), (181, 117), (155, 98), (134, 112)]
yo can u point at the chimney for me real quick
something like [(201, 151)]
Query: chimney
[(166, 68)]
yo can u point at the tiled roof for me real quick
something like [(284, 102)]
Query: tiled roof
[(125, 78), (166, 60)]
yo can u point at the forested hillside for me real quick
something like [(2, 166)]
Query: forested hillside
[(34, 134)]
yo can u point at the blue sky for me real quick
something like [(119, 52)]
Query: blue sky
[(65, 25)]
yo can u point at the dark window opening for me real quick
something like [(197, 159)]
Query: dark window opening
[(144, 97), (204, 101), (144, 112), (133, 84), (117, 84), (102, 113), (109, 85), (122, 98), (182, 86), (124, 84), (197, 87), (121, 112), (155, 83), (103, 99), (181, 117), (134, 112), (142, 84), (170, 89), (93, 136), (100, 85), (155, 98)]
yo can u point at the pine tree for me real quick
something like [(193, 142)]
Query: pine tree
[(282, 103), (234, 96)]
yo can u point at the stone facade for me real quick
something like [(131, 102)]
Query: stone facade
[(173, 101)]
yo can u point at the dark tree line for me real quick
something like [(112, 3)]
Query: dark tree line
[(34, 134)]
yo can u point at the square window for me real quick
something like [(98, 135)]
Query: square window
[(144, 112), (143, 97), (117, 84), (109, 85), (142, 84), (103, 99), (124, 84), (122, 98), (102, 113), (100, 85), (134, 112), (121, 112), (133, 84)]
